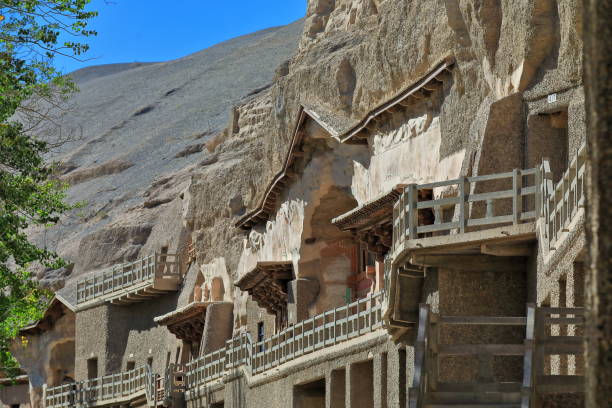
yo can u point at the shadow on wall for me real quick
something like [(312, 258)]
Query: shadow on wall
[(131, 328), (60, 369)]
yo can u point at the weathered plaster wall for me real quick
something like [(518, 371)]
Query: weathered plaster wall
[(38, 354), (388, 379), (408, 152), (116, 335), (301, 230)]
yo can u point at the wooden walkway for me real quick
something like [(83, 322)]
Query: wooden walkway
[(131, 282)]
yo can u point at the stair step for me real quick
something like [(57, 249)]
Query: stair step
[(475, 349), (484, 320), (470, 405), (562, 384), (480, 387), (562, 345), (474, 397)]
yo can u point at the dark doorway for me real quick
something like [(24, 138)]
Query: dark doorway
[(309, 395)]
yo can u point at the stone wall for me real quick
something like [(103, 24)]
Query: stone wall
[(598, 90)]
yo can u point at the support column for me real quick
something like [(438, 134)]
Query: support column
[(380, 381), (360, 385), (335, 389)]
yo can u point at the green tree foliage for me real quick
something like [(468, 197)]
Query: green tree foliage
[(30, 37)]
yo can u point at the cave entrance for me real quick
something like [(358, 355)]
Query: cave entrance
[(547, 137), (309, 395)]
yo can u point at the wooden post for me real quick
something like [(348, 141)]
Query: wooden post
[(489, 213), (539, 187), (517, 205), (462, 197), (437, 215), (412, 211)]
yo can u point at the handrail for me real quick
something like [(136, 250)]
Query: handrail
[(104, 388), (561, 202), (532, 196), (527, 387), (150, 390), (119, 277), (320, 331), (522, 183), (416, 393)]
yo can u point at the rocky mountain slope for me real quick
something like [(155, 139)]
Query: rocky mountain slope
[(133, 125)]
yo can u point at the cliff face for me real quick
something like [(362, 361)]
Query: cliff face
[(352, 56), (138, 131), (355, 55)]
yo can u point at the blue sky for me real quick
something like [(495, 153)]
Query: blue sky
[(139, 30)]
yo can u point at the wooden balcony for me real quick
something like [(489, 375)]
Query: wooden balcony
[(131, 282), (562, 202), (317, 333), (469, 204), (473, 212), (128, 387)]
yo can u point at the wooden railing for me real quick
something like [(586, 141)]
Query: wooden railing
[(549, 332), (416, 393), (516, 197), (561, 202), (512, 201), (558, 332), (174, 381), (153, 387), (321, 331), (121, 277), (99, 391), (528, 386)]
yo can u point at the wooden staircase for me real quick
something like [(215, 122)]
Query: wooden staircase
[(538, 346)]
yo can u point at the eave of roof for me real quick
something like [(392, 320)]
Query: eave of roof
[(415, 90), (354, 135), (267, 284), (54, 303), (261, 271), (268, 203), (369, 212), (184, 313)]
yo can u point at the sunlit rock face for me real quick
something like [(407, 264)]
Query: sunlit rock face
[(180, 190)]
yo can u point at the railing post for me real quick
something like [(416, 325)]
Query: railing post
[(517, 205), (462, 197), (538, 191), (412, 212), (529, 363)]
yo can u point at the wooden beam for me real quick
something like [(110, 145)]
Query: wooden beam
[(475, 263), (506, 250)]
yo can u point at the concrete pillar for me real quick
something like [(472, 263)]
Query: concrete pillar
[(335, 389), (218, 326), (235, 393), (380, 380), (360, 385)]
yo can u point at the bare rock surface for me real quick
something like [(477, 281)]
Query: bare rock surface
[(138, 129), (353, 55)]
